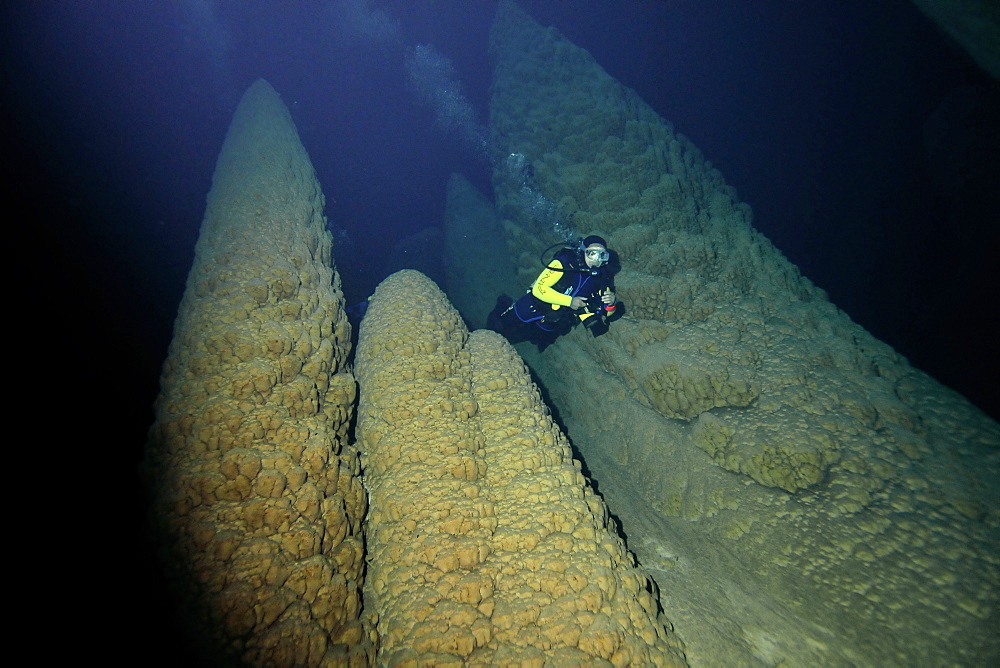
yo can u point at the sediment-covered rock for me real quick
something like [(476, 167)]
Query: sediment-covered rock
[(257, 499), (846, 500), (486, 544)]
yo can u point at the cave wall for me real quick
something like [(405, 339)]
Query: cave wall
[(848, 492)]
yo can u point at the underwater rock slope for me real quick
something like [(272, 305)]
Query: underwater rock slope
[(486, 544), (974, 24), (790, 456), (257, 500)]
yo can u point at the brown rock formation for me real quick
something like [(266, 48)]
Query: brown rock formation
[(486, 544), (257, 500), (803, 494)]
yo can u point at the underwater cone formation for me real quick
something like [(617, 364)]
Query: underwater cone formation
[(486, 544), (470, 227), (256, 498), (846, 500)]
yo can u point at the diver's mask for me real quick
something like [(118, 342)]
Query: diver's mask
[(601, 255)]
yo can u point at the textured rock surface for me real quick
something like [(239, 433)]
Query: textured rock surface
[(257, 497), (793, 469), (487, 545)]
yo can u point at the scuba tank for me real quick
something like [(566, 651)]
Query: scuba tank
[(569, 246)]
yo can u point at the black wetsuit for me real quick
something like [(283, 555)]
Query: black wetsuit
[(544, 312)]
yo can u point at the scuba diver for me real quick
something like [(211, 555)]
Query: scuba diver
[(576, 285)]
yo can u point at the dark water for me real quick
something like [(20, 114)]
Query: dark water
[(865, 141)]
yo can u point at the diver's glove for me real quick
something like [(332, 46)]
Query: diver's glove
[(596, 325)]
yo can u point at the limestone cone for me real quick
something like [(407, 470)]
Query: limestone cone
[(487, 546), (846, 500), (474, 259), (256, 494)]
